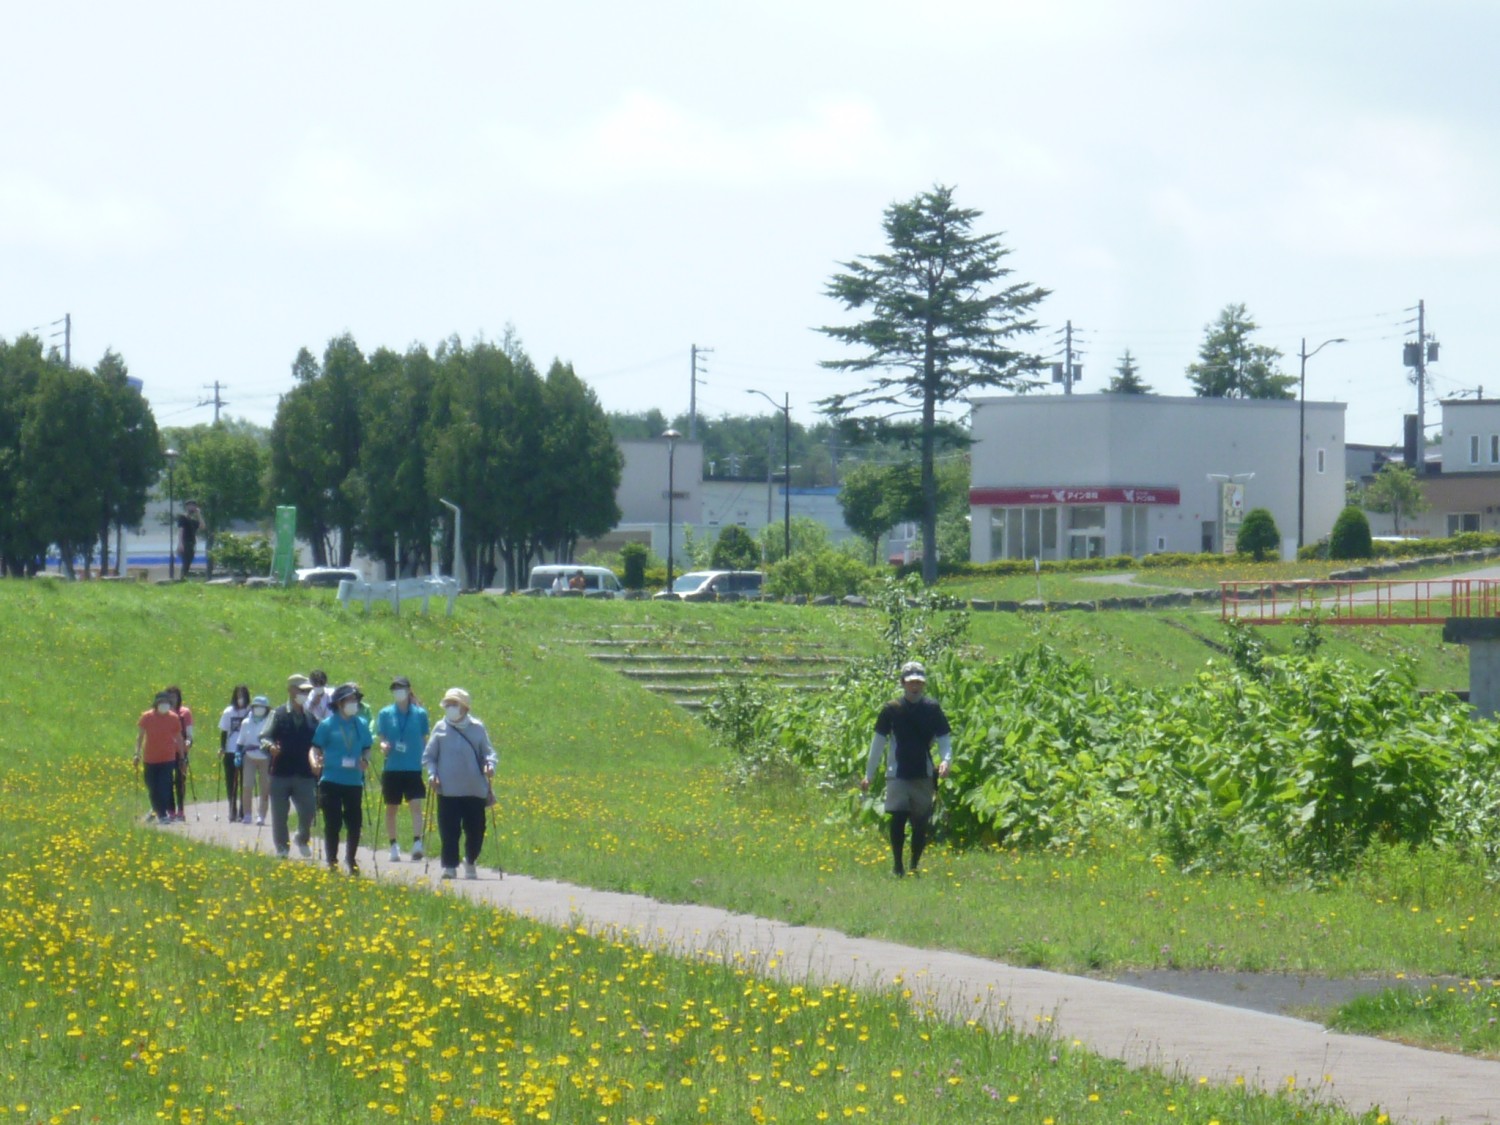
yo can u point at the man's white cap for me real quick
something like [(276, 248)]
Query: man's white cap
[(911, 670)]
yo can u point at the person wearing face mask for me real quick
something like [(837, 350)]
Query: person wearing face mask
[(158, 745), (180, 775), (318, 705), (905, 731), (287, 738), (229, 730), (255, 763), (460, 761), (402, 729), (341, 753)]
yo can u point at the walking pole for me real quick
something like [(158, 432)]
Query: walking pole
[(218, 778), (364, 796), (426, 828), (192, 788), (495, 832)]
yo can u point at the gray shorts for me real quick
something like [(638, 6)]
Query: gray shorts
[(913, 796)]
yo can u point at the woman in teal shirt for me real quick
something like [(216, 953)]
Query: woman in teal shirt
[(341, 750)]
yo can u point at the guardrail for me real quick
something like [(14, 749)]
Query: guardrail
[(1430, 601), (402, 590)]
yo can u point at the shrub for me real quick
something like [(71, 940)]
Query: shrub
[(814, 573), (735, 549), (633, 558), (1258, 535), (241, 554), (1351, 536)]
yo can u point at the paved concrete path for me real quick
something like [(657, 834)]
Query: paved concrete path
[(1194, 1037)]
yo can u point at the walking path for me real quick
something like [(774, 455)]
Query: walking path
[(1193, 1037)]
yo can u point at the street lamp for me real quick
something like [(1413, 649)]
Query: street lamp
[(1302, 427), (458, 543), (172, 456), (786, 486), (671, 436)]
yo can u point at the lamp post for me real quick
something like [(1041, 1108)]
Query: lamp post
[(172, 456), (786, 483), (671, 436), (458, 543), (1302, 427)]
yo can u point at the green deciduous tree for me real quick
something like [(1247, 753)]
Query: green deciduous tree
[(1230, 365), (1396, 490), (1127, 378), (226, 473), (128, 463), (580, 473), (59, 497), (735, 549), (1258, 535), (942, 316)]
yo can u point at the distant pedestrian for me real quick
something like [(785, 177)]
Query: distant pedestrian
[(341, 756), (184, 764), (904, 733), (318, 702), (158, 745), (578, 583), (460, 761), (402, 729), (230, 722), (188, 526), (254, 762), (287, 737)]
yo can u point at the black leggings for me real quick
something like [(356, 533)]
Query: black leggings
[(918, 837), (232, 785), (464, 814), (342, 806), (159, 786)]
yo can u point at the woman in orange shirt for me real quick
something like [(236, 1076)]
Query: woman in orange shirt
[(160, 745)]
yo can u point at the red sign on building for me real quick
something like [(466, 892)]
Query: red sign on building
[(1071, 494)]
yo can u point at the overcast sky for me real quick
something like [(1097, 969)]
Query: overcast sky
[(206, 188)]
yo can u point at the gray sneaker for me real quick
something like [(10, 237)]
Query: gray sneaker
[(304, 851), (416, 849), (283, 853), (396, 853), (470, 872), (450, 873)]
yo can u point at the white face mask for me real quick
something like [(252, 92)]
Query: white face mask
[(258, 712), (400, 694), (350, 709), (302, 697), (454, 712), (163, 708)]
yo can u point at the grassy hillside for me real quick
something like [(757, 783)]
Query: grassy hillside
[(135, 963)]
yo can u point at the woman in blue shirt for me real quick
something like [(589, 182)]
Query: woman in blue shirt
[(341, 750), (402, 730)]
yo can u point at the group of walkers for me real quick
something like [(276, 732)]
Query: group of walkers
[(312, 754)]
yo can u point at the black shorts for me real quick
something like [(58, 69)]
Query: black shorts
[(399, 786)]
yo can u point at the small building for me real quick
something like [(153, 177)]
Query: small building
[(1084, 476), (1462, 483)]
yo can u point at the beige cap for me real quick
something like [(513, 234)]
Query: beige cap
[(456, 695), (296, 681)]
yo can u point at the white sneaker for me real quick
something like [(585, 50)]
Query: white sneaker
[(304, 851), (283, 853), (470, 872), (396, 853), (259, 821), (450, 872), (416, 849)]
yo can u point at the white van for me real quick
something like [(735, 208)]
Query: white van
[(598, 581)]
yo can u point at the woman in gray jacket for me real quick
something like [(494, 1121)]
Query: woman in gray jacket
[(459, 761)]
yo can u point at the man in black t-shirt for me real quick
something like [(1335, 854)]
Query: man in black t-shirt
[(288, 735), (188, 525), (904, 733)]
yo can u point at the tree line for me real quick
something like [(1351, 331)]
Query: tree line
[(79, 452), (367, 447)]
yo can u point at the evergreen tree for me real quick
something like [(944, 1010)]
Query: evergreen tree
[(941, 318), (1127, 380), (1258, 535), (1230, 365)]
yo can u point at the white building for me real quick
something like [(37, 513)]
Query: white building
[(1083, 476)]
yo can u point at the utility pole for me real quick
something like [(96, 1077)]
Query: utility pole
[(66, 334), (695, 352), (217, 402), (1067, 372), (1417, 356)]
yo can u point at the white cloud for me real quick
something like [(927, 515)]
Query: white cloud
[(646, 139), (333, 192), (38, 214)]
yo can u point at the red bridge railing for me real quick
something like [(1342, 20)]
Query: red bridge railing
[(1364, 602)]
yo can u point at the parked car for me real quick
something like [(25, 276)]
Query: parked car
[(715, 586), (329, 576), (598, 581)]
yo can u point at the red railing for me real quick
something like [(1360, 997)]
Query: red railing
[(1367, 602)]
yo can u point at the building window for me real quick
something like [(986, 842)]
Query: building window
[(1133, 529), (1023, 533), (1473, 449), (1322, 460), (1462, 521), (1495, 449)]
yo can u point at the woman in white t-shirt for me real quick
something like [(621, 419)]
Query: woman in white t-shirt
[(254, 761), (229, 731)]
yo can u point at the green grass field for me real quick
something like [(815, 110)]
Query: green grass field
[(145, 978)]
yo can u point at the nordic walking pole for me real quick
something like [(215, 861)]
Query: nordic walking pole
[(495, 832), (218, 778), (427, 803), (187, 770)]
